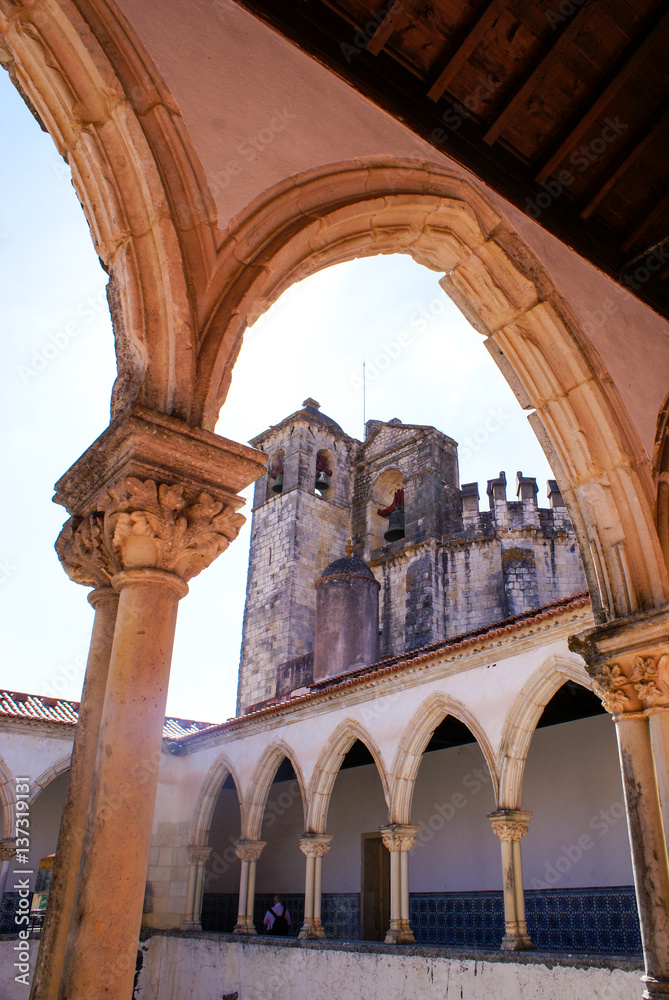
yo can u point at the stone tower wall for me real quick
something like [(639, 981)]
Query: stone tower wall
[(458, 568)]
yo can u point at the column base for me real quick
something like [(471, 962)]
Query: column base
[(656, 989), (191, 925), (516, 942), (310, 930), (399, 932), (244, 925)]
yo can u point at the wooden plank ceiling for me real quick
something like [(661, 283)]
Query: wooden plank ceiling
[(562, 106)]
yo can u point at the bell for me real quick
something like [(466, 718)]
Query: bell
[(278, 483), (395, 526), (322, 483)]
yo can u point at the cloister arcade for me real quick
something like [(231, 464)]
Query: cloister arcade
[(191, 264)]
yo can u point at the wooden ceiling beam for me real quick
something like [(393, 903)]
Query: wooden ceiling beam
[(633, 58), (396, 17), (631, 154), (540, 70), (654, 215), (466, 46)]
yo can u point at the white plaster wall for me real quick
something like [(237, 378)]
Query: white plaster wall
[(281, 865), (9, 988), (578, 834), (455, 849), (357, 807), (45, 814), (200, 969), (222, 871)]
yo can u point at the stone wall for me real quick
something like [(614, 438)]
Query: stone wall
[(206, 968)]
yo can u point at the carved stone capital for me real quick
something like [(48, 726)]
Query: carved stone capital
[(249, 850), (628, 661), (399, 836), (315, 845), (198, 855), (7, 850), (510, 824), (152, 493)]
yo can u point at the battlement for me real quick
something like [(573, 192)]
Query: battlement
[(523, 511)]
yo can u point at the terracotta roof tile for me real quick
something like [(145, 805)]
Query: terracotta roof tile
[(38, 708)]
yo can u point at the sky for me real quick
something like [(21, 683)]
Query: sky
[(423, 363)]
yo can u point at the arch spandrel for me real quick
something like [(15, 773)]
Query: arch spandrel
[(258, 791), (524, 716), (206, 801), (328, 767), (414, 741)]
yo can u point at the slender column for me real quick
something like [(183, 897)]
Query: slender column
[(314, 846), (510, 825), (649, 848), (197, 861), (116, 849), (399, 838), (152, 504), (628, 661), (248, 852), (53, 939)]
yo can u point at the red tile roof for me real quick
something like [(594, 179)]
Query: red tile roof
[(36, 708)]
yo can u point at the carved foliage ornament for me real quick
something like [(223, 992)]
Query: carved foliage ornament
[(649, 678), (146, 525), (198, 855), (509, 829), (249, 850), (313, 848)]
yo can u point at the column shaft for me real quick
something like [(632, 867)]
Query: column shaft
[(519, 890), (309, 890), (191, 895), (251, 897), (318, 894), (243, 895), (658, 720), (649, 848), (395, 897), (62, 891), (510, 898), (108, 908)]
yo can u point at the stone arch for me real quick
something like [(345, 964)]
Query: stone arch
[(206, 802), (47, 776), (445, 222), (263, 776), (97, 92), (661, 471), (416, 738), (524, 716), (383, 491), (328, 766), (7, 800)]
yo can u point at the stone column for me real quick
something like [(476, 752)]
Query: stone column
[(629, 663), (197, 861), (53, 939), (248, 852), (399, 838), (152, 504), (314, 846), (510, 825)]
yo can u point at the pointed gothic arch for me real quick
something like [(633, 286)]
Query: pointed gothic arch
[(522, 720), (328, 767), (417, 736), (47, 776), (7, 800), (261, 782), (204, 810), (180, 305)]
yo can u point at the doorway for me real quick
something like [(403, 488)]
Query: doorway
[(375, 883)]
